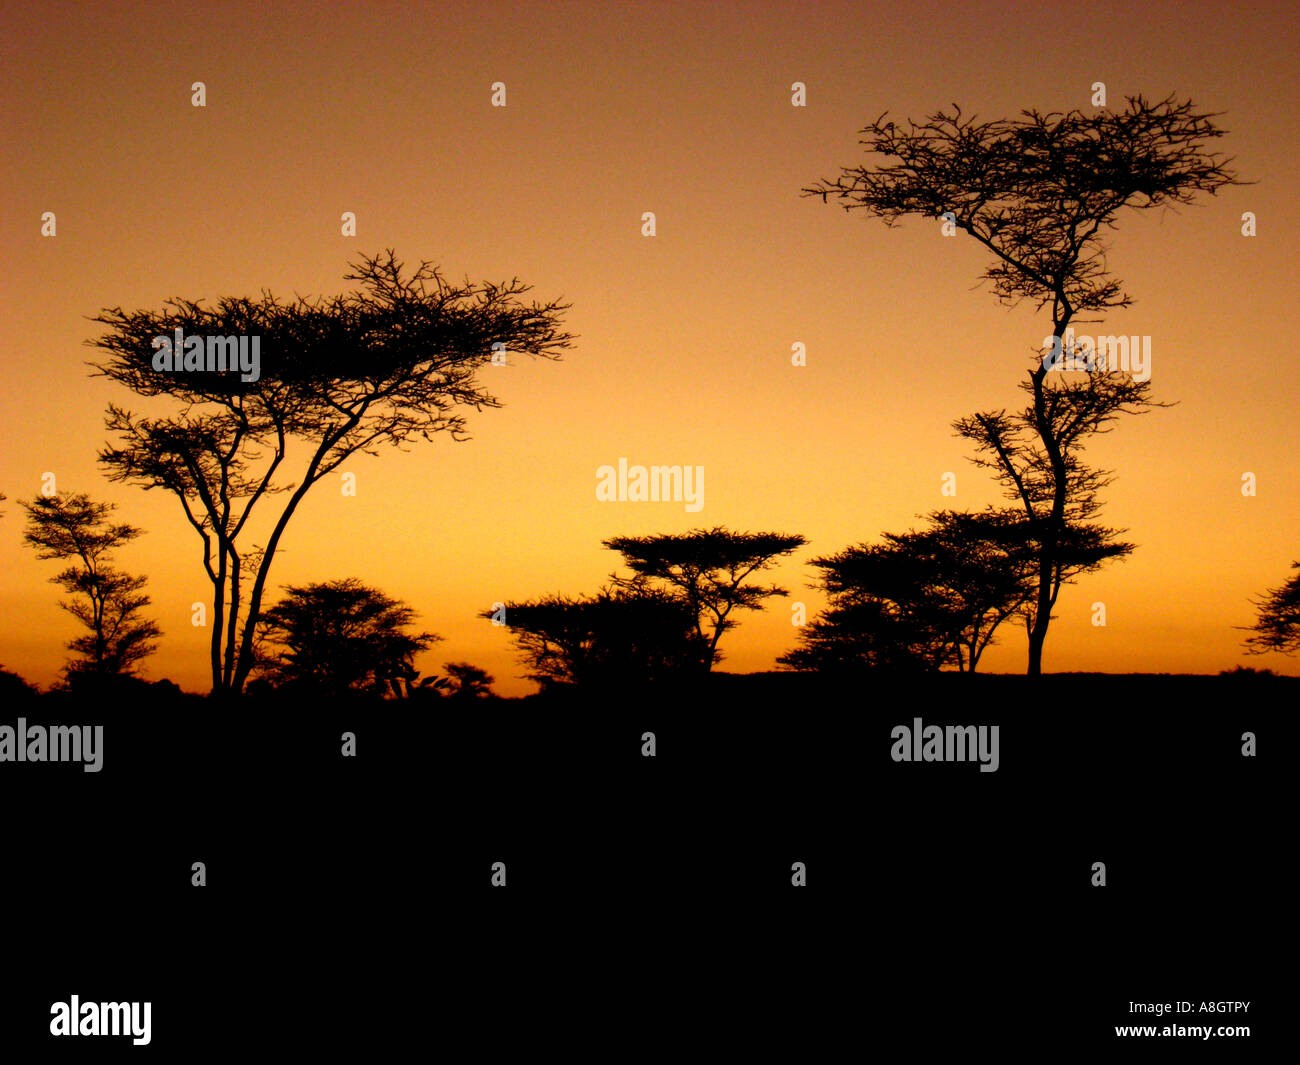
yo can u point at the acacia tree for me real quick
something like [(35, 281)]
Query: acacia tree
[(935, 597), (707, 569), (960, 578), (617, 637), (105, 600), (337, 637), (1034, 454), (393, 361), (1277, 624), (856, 634), (1040, 192)]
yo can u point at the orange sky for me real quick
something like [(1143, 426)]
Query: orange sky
[(684, 339)]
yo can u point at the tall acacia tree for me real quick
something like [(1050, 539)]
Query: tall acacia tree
[(394, 360), (1040, 192)]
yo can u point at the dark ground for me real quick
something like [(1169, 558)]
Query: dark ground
[(348, 901)]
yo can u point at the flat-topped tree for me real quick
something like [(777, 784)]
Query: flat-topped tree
[(706, 569), (395, 360), (1039, 192)]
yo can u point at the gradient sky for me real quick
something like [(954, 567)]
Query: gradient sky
[(684, 339)]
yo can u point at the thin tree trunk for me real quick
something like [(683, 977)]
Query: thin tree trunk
[(1050, 533)]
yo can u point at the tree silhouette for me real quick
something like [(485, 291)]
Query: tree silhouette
[(1039, 192), (468, 681), (619, 636), (706, 569), (923, 600), (917, 601), (339, 637), (855, 634), (1034, 454), (105, 600), (1277, 624), (391, 362)]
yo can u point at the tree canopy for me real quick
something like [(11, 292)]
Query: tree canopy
[(339, 637), (393, 361), (933, 598), (617, 637), (707, 569)]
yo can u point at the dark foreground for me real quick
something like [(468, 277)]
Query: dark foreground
[(349, 903)]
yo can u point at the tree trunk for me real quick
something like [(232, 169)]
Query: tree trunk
[(1037, 636), (1050, 537)]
